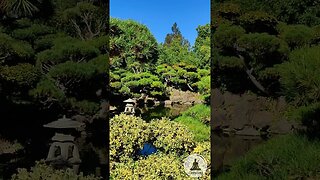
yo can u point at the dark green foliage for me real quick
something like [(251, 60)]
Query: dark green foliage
[(316, 37), (101, 43), (280, 158), (46, 42), (47, 93), (297, 35), (66, 49), (289, 11), (230, 11), (12, 49), (31, 33), (264, 49), (258, 21), (308, 115), (180, 76), (311, 16), (269, 77), (226, 35), (229, 74), (84, 21), (83, 107), (132, 84), (21, 75), (299, 76)]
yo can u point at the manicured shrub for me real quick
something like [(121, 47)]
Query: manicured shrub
[(43, 171)]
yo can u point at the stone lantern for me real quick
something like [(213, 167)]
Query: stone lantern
[(63, 151), (129, 109)]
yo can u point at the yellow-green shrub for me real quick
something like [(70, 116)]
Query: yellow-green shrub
[(170, 136), (156, 166), (43, 171), (127, 136)]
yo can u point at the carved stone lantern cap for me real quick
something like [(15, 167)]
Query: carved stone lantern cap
[(129, 101), (64, 123)]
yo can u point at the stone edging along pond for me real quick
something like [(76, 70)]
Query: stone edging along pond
[(250, 115)]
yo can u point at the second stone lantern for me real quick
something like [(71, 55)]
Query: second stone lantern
[(63, 151), (129, 109)]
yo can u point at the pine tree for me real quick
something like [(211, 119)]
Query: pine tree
[(176, 36)]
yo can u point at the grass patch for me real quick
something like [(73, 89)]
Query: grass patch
[(194, 119), (286, 157), (199, 112)]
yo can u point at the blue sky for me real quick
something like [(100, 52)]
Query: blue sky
[(159, 15)]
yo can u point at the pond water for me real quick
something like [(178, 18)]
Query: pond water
[(228, 149)]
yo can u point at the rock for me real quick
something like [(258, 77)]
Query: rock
[(217, 98), (281, 127), (231, 99), (248, 131), (188, 103), (184, 96), (168, 102), (281, 104), (239, 115), (218, 118), (261, 119)]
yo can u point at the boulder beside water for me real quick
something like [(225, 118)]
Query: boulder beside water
[(249, 114)]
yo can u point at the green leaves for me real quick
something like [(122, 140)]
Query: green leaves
[(43, 171), (259, 21), (132, 42), (33, 32), (176, 53), (11, 48), (264, 48), (69, 70), (230, 11), (166, 166), (47, 92), (129, 133), (226, 35), (22, 74), (202, 46), (134, 83), (84, 21), (204, 87), (299, 76), (297, 36), (67, 49), (169, 136)]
